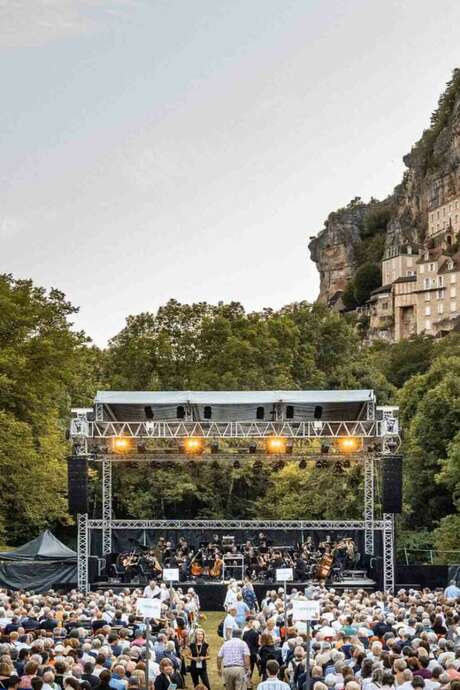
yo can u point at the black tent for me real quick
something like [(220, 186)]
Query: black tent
[(39, 565)]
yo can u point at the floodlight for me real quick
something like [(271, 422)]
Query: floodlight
[(193, 445), (122, 444), (349, 444), (276, 445)]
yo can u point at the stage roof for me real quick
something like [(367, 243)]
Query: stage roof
[(233, 397)]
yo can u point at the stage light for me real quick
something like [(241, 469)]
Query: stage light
[(349, 444), (214, 447), (320, 464), (325, 448), (338, 468), (303, 464), (253, 447), (122, 444), (193, 445), (237, 465), (276, 445)]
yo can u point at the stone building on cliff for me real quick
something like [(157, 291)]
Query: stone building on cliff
[(420, 291)]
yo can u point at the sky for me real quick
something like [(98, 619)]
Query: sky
[(187, 149)]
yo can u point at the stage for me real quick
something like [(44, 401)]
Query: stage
[(212, 594)]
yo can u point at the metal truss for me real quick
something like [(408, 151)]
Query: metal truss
[(184, 429), (369, 510), (82, 553), (238, 524), (370, 410), (106, 506), (388, 553)]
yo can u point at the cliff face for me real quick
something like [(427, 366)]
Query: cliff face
[(432, 178), (333, 249)]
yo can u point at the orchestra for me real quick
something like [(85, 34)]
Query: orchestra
[(259, 559)]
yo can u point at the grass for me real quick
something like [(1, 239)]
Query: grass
[(213, 619)]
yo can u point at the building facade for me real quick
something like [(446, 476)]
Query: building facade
[(420, 291)]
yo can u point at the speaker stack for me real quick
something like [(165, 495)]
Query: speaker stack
[(392, 484), (77, 483)]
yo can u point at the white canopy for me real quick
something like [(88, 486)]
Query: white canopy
[(232, 397)]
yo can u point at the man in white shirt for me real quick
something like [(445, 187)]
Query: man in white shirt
[(230, 623), (152, 591), (273, 682), (230, 597)]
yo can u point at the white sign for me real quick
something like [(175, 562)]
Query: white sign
[(284, 575), (305, 610), (171, 574), (301, 627), (149, 608)]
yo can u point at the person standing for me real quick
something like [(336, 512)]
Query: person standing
[(230, 623), (233, 662), (273, 682), (198, 657)]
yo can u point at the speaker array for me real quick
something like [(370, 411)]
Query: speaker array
[(392, 484), (77, 482)]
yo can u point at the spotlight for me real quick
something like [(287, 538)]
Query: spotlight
[(289, 447), (338, 468), (325, 448), (214, 446), (350, 444), (303, 464), (122, 444), (237, 465), (320, 464), (141, 448), (276, 445), (193, 445), (253, 447)]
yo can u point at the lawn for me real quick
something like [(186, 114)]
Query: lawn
[(213, 619)]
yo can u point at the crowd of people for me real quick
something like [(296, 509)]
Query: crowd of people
[(258, 558), (359, 640)]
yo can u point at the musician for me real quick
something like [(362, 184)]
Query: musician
[(152, 591), (130, 562)]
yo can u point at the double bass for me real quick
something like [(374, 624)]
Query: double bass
[(325, 566)]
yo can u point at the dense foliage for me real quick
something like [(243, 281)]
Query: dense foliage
[(45, 366)]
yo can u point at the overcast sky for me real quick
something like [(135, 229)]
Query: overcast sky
[(188, 148)]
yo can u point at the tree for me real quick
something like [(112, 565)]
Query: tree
[(367, 278)]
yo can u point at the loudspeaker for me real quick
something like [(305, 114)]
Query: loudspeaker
[(392, 484), (77, 483)]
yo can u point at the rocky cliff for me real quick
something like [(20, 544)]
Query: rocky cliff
[(432, 178)]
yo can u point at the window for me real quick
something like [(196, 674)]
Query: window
[(422, 268), (453, 278), (427, 283), (427, 296), (260, 413), (453, 291), (453, 306), (431, 267), (427, 311), (427, 324), (180, 412), (409, 251), (441, 281), (440, 308), (450, 265), (207, 412), (384, 306), (289, 412)]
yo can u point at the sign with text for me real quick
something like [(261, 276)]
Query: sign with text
[(284, 575), (305, 610), (171, 574), (149, 608)]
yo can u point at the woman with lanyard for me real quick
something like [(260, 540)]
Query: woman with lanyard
[(198, 657)]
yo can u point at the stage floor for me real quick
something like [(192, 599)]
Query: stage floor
[(212, 594)]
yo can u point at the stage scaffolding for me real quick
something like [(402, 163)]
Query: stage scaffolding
[(87, 432)]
